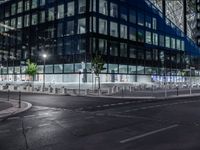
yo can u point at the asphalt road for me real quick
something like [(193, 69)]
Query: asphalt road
[(80, 123)]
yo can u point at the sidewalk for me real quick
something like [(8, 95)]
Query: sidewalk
[(9, 108), (146, 97)]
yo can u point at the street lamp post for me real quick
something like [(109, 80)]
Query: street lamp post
[(165, 82), (191, 79), (1, 72), (79, 87), (44, 57)]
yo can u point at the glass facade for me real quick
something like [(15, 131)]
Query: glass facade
[(132, 40)]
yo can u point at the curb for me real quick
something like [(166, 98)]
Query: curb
[(15, 112), (145, 98)]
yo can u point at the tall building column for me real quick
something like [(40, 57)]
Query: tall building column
[(164, 8), (185, 16)]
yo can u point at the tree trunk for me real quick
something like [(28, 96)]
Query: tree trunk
[(99, 82)]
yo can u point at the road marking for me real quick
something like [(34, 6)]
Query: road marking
[(4, 131), (29, 127), (43, 125), (29, 116), (13, 118), (147, 134), (160, 105)]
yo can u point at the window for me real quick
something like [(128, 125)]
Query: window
[(123, 31), (51, 14), (60, 30), (68, 47), (162, 40), (148, 55), (81, 46), (141, 19), (132, 34), (68, 68), (113, 68), (132, 69), (42, 16), (93, 45), (154, 21), (51, 1), (70, 8), (34, 19), (82, 26), (132, 16), (123, 13), (140, 35), (7, 23), (92, 24), (93, 5), (13, 23), (148, 37), (103, 7), (123, 69), (19, 7), (113, 48), (13, 9), (19, 22), (113, 10), (155, 39), (60, 13), (133, 52), (27, 5), (178, 44), (155, 54), (26, 20), (123, 50), (7, 11), (58, 68), (59, 47), (70, 28), (103, 46), (82, 6), (173, 43), (140, 54), (102, 26), (148, 22), (167, 42), (34, 4), (182, 45), (42, 2), (113, 29)]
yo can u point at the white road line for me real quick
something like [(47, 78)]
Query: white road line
[(29, 127), (13, 118), (43, 125), (147, 134), (161, 105), (4, 131), (29, 116)]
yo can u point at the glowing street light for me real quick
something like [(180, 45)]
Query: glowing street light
[(44, 57)]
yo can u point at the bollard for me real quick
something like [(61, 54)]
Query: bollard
[(8, 95), (122, 91), (20, 99), (177, 91)]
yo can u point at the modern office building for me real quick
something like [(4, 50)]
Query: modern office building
[(136, 40)]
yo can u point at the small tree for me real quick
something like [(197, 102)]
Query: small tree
[(31, 69), (97, 64)]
